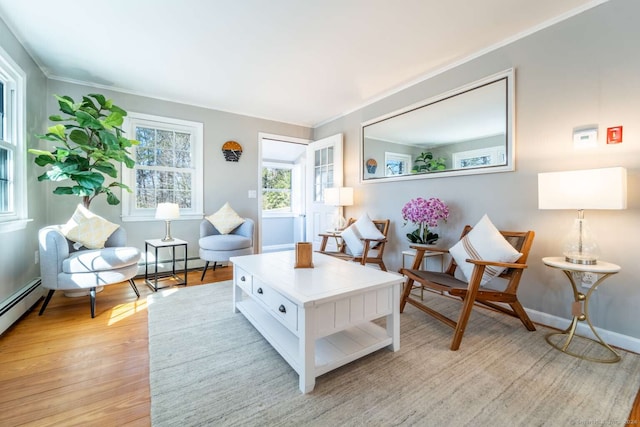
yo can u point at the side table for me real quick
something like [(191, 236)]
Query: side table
[(580, 307), (427, 254), (159, 243)]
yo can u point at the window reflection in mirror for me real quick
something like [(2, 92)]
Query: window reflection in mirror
[(466, 131)]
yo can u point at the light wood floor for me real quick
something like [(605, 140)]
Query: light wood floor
[(64, 368)]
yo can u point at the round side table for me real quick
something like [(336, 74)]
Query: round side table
[(580, 308)]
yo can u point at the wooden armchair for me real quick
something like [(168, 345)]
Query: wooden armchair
[(472, 291), (373, 249)]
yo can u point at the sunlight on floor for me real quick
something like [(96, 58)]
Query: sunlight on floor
[(123, 311)]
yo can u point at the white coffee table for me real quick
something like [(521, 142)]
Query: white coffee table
[(318, 318)]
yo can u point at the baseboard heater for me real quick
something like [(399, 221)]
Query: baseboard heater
[(164, 266), (14, 307)]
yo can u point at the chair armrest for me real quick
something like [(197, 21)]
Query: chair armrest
[(382, 240), (327, 234), (54, 249), (495, 263), (207, 229), (429, 248), (245, 229)]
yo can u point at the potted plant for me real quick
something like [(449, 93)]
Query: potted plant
[(424, 213), (426, 163), (87, 142)]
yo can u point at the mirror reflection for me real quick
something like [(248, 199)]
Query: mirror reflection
[(467, 131)]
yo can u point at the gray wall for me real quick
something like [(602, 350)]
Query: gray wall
[(223, 181), (17, 263), (581, 71)]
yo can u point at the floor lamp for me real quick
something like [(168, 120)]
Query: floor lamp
[(604, 188)]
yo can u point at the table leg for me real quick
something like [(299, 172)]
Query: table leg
[(393, 319), (580, 311), (307, 351)]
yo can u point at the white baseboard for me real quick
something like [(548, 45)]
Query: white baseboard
[(19, 303), (614, 339)]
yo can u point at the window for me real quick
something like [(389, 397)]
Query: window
[(323, 172), (397, 164), (479, 158), (276, 188), (168, 167), (13, 203)]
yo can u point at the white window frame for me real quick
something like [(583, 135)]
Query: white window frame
[(405, 159), (295, 197), (196, 129), (14, 80), (496, 155)]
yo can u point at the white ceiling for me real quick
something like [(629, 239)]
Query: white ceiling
[(295, 61)]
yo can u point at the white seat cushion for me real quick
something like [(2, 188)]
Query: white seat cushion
[(100, 260), (224, 242)]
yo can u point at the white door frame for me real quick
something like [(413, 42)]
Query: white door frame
[(257, 247)]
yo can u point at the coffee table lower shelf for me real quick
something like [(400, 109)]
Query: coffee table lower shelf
[(331, 351)]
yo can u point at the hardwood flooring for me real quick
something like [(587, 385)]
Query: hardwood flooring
[(65, 369)]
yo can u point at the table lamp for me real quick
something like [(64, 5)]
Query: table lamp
[(340, 197), (604, 188), (167, 212)]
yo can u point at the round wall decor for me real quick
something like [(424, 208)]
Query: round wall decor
[(372, 165), (232, 151)]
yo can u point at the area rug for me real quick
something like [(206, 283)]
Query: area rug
[(209, 366)]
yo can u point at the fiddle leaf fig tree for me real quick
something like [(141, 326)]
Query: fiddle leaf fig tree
[(88, 143)]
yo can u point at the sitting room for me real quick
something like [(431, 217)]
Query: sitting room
[(319, 213)]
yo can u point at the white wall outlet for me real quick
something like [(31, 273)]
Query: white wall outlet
[(253, 194), (589, 279), (36, 258)]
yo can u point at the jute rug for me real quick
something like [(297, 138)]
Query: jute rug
[(209, 366)]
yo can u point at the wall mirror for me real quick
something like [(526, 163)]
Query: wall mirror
[(465, 131)]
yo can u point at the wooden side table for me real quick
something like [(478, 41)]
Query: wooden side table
[(580, 308), (159, 243)]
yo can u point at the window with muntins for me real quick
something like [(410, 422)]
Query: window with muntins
[(13, 202), (168, 166), (323, 172), (277, 189)]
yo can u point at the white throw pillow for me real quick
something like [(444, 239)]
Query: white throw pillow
[(88, 229), (363, 228), (225, 220), (483, 242)]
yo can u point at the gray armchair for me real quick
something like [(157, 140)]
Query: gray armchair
[(62, 267), (216, 247)]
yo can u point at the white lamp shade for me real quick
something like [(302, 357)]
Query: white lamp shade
[(604, 188), (338, 196), (167, 211)]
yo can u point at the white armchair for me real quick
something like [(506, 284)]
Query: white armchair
[(216, 247), (62, 267)]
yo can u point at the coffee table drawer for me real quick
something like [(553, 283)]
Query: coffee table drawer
[(244, 280), (280, 307)]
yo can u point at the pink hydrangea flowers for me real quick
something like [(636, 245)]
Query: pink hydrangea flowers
[(424, 213)]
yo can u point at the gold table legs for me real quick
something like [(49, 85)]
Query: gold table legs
[(580, 311)]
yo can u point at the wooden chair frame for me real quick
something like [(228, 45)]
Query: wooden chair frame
[(369, 244), (471, 292)]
